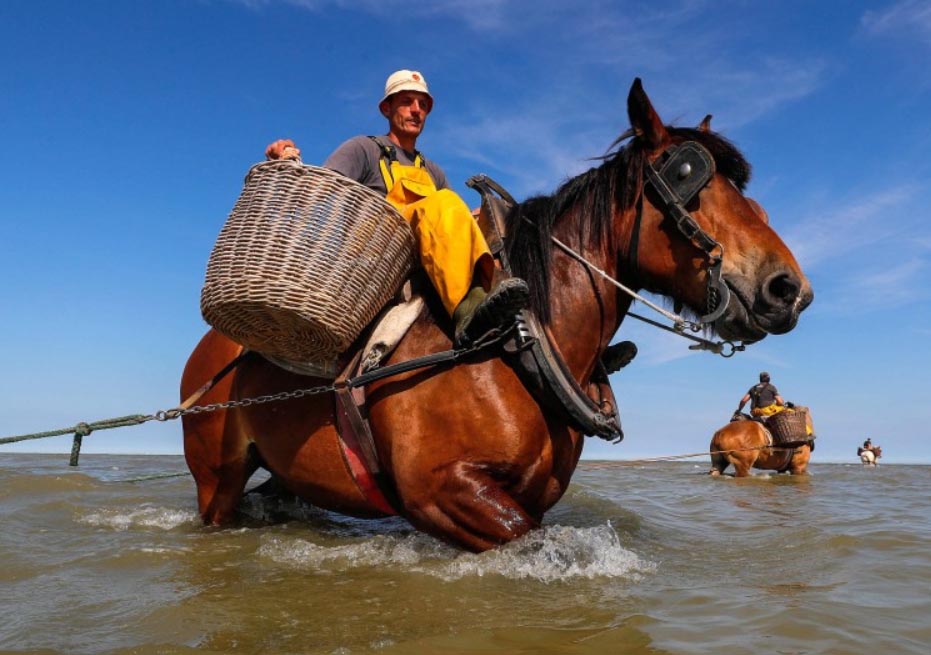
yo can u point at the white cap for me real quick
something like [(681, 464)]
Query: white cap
[(405, 80)]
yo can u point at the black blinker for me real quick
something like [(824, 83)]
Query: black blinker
[(687, 169)]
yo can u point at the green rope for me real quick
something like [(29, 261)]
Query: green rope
[(157, 476), (83, 429)]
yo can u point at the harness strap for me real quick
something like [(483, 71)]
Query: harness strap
[(537, 362), (358, 444), (547, 374), (222, 373), (718, 292)]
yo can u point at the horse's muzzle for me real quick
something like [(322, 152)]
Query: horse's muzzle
[(781, 300), (773, 307)]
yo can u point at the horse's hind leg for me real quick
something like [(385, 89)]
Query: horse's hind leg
[(718, 464), (470, 509), (221, 462), (742, 465), (217, 453)]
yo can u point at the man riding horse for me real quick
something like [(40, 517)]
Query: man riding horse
[(466, 451), (765, 399)]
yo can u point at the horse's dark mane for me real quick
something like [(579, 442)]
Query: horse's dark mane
[(593, 198)]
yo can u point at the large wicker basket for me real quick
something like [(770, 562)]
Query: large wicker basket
[(304, 262), (789, 427)]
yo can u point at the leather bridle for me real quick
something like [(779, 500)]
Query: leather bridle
[(677, 176)]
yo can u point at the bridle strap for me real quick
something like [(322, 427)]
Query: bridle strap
[(718, 293), (687, 225)]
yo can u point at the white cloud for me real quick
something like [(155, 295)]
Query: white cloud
[(478, 14), (882, 288), (893, 285), (862, 222), (907, 17), (536, 151)]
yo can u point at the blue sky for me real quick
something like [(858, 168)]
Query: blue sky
[(128, 126)]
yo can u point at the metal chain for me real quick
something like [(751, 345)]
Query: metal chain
[(171, 414)]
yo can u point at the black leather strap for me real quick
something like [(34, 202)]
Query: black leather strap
[(546, 375)]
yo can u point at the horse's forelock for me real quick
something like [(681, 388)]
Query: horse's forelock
[(728, 160)]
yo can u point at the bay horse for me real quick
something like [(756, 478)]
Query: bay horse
[(470, 456), (747, 444)]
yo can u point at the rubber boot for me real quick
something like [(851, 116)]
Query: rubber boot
[(497, 309)]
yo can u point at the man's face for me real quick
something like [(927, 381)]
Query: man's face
[(407, 112)]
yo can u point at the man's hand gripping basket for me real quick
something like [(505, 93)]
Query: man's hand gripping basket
[(305, 261)]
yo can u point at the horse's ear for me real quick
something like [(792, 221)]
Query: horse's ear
[(644, 120), (705, 125)]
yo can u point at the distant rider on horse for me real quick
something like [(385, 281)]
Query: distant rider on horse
[(764, 397)]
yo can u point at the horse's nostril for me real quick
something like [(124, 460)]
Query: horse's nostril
[(781, 289)]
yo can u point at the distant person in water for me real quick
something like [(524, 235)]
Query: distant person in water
[(868, 444), (764, 397)]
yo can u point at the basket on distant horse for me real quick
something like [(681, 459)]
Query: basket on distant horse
[(305, 261), (789, 426)]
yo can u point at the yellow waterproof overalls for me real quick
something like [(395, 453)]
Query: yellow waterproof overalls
[(451, 245), (769, 410)]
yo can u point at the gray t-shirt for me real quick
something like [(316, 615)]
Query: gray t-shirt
[(358, 158), (762, 394)]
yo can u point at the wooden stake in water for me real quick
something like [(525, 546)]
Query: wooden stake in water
[(76, 448)]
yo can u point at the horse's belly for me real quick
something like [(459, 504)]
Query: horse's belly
[(309, 460), (773, 460)]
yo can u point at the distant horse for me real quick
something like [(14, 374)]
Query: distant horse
[(470, 457), (868, 456), (747, 444)]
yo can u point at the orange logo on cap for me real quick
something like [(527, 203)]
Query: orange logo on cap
[(416, 76)]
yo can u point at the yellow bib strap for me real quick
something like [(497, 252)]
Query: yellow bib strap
[(389, 160), (386, 173)]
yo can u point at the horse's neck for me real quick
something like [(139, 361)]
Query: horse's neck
[(586, 309)]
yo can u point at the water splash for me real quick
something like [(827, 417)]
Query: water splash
[(122, 519), (555, 553), (551, 554)]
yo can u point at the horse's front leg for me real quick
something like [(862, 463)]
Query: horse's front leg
[(465, 504), (799, 463)]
